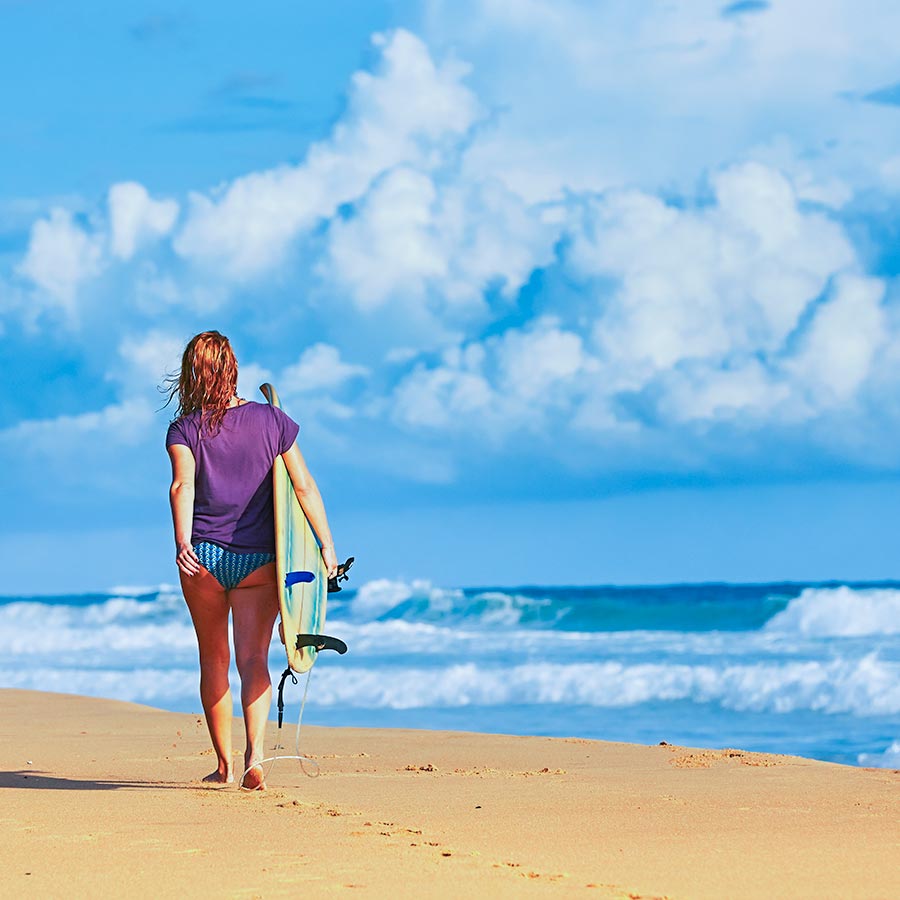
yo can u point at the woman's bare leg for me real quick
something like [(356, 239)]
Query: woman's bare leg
[(254, 604), (208, 604)]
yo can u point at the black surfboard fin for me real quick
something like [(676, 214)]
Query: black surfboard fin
[(342, 570), (321, 642)]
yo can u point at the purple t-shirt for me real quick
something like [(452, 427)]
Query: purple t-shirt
[(233, 484)]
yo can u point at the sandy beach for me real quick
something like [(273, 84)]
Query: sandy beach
[(103, 799)]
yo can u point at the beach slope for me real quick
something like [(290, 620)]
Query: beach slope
[(103, 799)]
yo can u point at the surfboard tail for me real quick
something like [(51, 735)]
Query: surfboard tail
[(268, 391)]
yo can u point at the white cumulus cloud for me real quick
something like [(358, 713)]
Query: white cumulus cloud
[(746, 308), (145, 360), (320, 368), (839, 347), (61, 255), (591, 95), (707, 281), (407, 112), (119, 424), (135, 217), (503, 384), (525, 245), (416, 236)]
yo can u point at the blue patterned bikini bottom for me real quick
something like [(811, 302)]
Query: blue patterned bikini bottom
[(228, 568)]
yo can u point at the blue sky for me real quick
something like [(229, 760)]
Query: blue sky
[(559, 291)]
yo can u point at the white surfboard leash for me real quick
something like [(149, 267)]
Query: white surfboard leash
[(303, 760)]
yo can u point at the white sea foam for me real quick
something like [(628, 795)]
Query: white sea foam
[(890, 759), (137, 590), (155, 687), (863, 687), (161, 629), (123, 631), (840, 612), (402, 638)]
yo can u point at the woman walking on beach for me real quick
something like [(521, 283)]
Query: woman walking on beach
[(222, 449)]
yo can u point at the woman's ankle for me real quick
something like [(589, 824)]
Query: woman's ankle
[(252, 756)]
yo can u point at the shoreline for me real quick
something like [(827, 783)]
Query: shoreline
[(292, 708), (413, 813)]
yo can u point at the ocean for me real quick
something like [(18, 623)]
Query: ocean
[(807, 669)]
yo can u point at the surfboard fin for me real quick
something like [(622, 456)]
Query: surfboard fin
[(321, 642), (292, 578), (298, 578), (342, 570)]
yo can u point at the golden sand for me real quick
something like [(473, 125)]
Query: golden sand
[(104, 799)]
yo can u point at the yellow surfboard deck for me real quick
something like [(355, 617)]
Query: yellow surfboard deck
[(296, 550)]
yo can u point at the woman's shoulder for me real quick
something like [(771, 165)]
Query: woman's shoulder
[(264, 409), (183, 430), (188, 420), (257, 410)]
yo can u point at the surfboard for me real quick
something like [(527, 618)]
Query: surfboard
[(298, 555)]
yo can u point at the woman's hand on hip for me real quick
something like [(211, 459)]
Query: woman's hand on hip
[(330, 560), (186, 559)]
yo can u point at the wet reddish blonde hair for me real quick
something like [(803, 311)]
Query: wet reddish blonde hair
[(208, 379)]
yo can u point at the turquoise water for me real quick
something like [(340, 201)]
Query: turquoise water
[(810, 669)]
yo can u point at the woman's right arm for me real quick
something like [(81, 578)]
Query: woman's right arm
[(181, 499), (307, 492)]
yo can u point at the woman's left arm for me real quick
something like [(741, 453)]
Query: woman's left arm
[(310, 499), (181, 498)]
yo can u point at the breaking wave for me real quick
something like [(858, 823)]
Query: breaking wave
[(865, 687), (840, 612), (695, 660)]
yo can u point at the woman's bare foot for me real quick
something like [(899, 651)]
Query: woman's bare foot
[(254, 778), (218, 777)]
